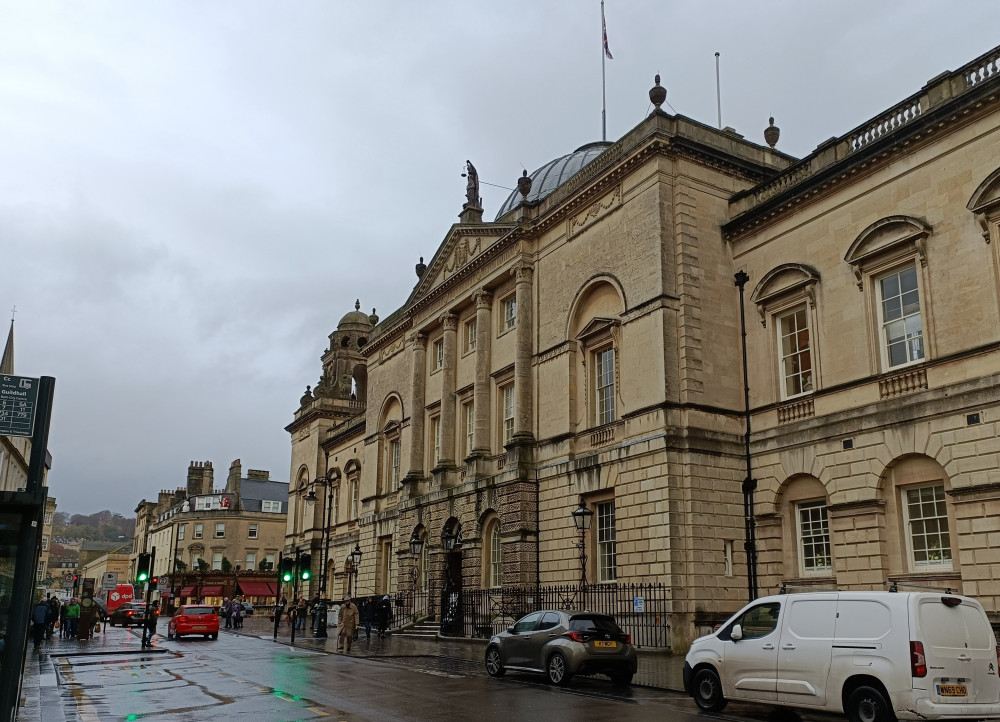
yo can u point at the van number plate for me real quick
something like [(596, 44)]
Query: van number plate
[(953, 690), (609, 645)]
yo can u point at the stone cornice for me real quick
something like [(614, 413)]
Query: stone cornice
[(947, 101)]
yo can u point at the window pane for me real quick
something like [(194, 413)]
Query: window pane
[(607, 570), (605, 386), (814, 537), (796, 358), (901, 320), (927, 522)]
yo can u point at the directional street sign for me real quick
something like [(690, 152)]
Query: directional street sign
[(110, 581), (18, 399)]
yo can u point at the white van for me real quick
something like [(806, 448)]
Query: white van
[(872, 655)]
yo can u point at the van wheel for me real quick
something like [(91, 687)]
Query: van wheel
[(708, 691), (867, 704)]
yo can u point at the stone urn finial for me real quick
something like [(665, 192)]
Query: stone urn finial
[(357, 304), (373, 319), (771, 133), (421, 268), (657, 94), (524, 186)]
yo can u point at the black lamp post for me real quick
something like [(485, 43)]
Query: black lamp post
[(582, 518), (416, 549), (325, 481), (355, 558), (749, 483)]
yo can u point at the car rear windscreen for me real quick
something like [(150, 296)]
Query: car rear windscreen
[(594, 624), (192, 611)]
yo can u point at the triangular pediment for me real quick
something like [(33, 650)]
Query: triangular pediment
[(461, 247), (596, 326)]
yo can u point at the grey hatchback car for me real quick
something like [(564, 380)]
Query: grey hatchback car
[(562, 644)]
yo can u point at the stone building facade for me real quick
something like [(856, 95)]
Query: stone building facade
[(586, 345), (207, 539)]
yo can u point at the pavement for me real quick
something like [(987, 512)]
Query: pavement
[(40, 688)]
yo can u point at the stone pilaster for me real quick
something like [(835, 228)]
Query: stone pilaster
[(450, 323), (415, 473), (522, 359), (481, 389)]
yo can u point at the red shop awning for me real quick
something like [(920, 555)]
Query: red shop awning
[(187, 592), (211, 591), (257, 589)]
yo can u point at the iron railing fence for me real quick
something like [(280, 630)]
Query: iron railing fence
[(409, 608), (641, 610)]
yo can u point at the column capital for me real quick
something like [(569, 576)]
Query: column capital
[(522, 271), (449, 321), (484, 300), (419, 340)]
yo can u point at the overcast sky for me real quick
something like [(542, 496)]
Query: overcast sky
[(192, 194)]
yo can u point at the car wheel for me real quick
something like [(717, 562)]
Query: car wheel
[(178, 635), (557, 670), (708, 690), (215, 635), (494, 663), (867, 704), (621, 679), (170, 635)]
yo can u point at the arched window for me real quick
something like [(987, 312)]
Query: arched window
[(492, 553)]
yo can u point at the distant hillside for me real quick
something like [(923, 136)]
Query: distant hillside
[(102, 526)]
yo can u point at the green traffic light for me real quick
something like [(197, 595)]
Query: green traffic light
[(305, 574), (143, 576), (286, 577)]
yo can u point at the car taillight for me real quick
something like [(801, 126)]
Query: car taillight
[(628, 639), (918, 663), (998, 655), (575, 636)]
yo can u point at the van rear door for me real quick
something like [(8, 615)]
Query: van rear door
[(960, 650)]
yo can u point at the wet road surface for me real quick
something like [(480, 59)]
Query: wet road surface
[(248, 678)]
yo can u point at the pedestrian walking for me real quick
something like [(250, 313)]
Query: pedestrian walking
[(383, 615), (39, 621), (53, 616), (237, 614), (72, 616), (347, 624), (227, 611), (314, 610), (151, 616), (300, 617), (63, 627), (368, 616)]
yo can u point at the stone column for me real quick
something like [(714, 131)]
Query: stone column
[(450, 323), (522, 358), (416, 470), (481, 389)]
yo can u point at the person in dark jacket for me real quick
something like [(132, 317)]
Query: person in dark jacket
[(383, 615), (39, 620), (368, 616), (53, 616), (63, 631)]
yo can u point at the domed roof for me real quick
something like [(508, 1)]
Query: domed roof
[(355, 317), (554, 173)]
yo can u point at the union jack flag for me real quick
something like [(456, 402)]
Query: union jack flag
[(604, 32)]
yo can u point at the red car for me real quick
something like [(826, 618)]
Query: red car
[(194, 619)]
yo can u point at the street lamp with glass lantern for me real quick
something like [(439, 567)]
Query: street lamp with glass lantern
[(582, 518), (327, 483), (416, 549), (355, 559)]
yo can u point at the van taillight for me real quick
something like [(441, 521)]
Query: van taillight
[(918, 663), (950, 601)]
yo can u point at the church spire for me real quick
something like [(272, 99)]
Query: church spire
[(7, 361)]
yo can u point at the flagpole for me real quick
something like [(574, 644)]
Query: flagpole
[(604, 100)]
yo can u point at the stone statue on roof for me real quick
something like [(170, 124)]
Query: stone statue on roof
[(472, 186)]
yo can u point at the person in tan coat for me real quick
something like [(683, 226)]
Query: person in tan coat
[(347, 624)]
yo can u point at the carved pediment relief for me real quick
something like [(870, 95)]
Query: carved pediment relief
[(392, 430), (459, 248), (782, 282), (985, 202), (893, 235)]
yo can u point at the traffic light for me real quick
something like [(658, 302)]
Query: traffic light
[(305, 564), (287, 570), (76, 581), (142, 567), (154, 581)]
